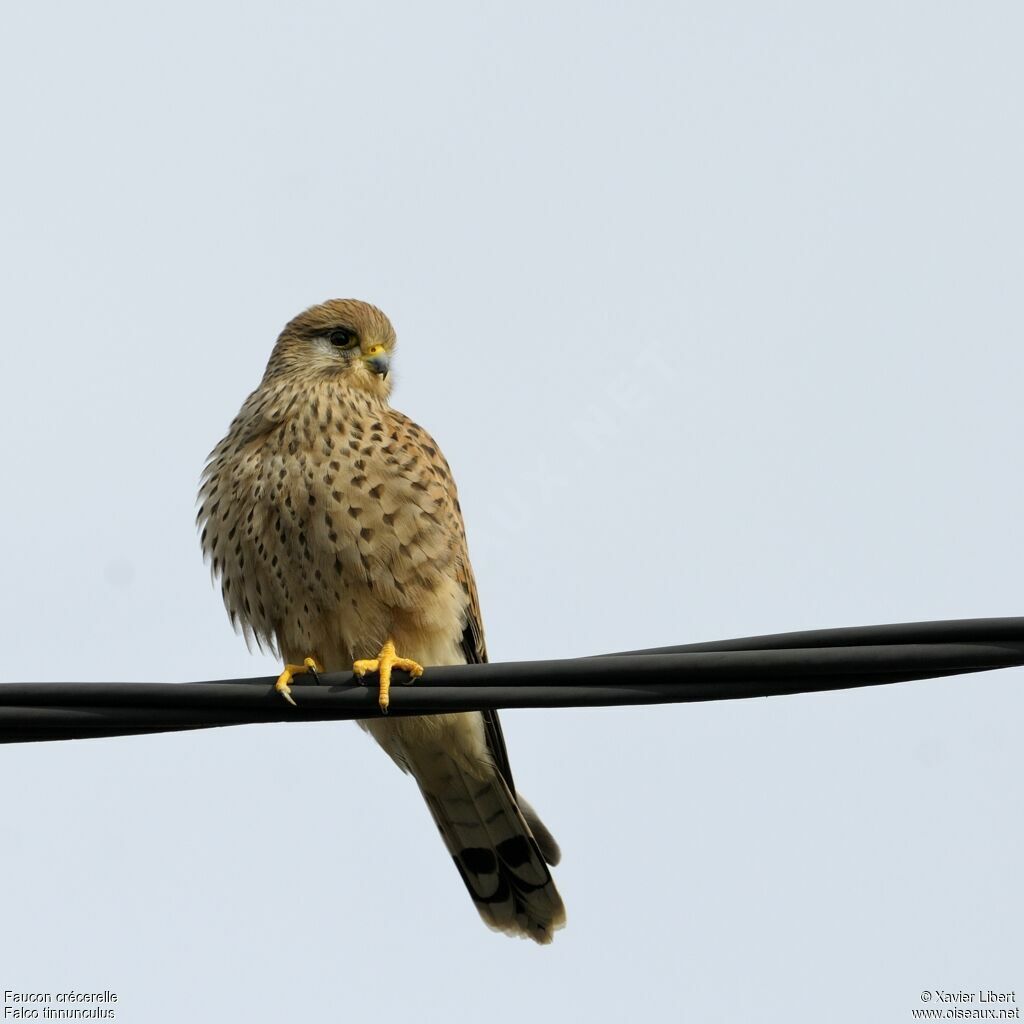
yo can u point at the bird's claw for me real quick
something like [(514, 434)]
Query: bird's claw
[(384, 663), (283, 684)]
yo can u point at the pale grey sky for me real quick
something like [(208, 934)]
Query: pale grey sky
[(715, 310)]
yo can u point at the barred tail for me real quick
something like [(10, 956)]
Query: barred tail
[(499, 856)]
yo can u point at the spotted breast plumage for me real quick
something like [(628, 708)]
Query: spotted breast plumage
[(334, 525)]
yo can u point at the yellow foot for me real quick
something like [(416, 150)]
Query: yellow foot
[(384, 663), (283, 684)]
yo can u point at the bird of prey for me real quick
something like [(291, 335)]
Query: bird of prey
[(333, 523)]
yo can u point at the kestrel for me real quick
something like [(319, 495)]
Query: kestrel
[(334, 525)]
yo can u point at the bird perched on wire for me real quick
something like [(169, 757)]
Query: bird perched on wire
[(333, 523)]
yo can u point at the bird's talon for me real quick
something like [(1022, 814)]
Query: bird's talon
[(385, 662), (414, 669), (283, 684)]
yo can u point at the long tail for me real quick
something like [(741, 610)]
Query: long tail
[(499, 846)]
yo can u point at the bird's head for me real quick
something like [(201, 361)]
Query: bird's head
[(344, 339)]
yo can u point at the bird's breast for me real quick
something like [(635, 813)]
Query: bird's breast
[(334, 525)]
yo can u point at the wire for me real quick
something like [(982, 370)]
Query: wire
[(763, 666)]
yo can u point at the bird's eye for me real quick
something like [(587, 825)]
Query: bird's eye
[(342, 337)]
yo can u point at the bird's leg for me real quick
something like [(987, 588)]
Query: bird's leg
[(283, 684), (385, 661)]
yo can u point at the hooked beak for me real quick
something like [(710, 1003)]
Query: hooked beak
[(378, 361)]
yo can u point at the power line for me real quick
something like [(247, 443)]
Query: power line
[(762, 666)]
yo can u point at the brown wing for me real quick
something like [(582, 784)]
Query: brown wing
[(474, 647)]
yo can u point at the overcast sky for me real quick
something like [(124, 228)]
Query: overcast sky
[(715, 309)]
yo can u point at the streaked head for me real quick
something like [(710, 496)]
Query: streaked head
[(342, 338)]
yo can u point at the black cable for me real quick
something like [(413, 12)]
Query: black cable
[(784, 663)]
